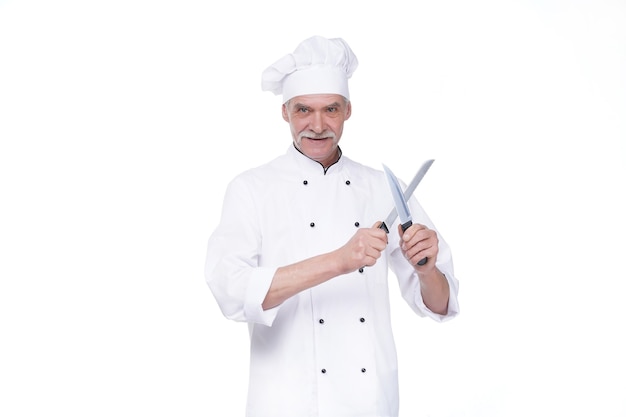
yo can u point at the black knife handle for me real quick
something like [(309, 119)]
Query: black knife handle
[(384, 227)]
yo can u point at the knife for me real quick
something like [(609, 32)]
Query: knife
[(407, 193), (400, 199)]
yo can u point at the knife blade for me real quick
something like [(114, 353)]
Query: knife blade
[(402, 208), (400, 198), (391, 217)]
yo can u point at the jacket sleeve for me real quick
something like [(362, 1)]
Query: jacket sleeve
[(232, 269), (407, 276)]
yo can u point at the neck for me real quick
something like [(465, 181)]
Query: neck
[(325, 166)]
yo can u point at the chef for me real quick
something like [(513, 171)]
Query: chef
[(299, 255)]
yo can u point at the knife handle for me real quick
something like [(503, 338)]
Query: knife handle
[(406, 226), (384, 227)]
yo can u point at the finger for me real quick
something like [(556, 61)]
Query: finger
[(410, 232), (380, 244), (419, 235), (425, 249), (411, 238), (422, 241), (373, 254), (379, 233), (420, 253)]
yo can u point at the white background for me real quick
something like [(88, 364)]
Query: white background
[(121, 123)]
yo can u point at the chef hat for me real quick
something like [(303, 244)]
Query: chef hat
[(317, 66)]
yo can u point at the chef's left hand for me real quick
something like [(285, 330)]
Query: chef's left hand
[(419, 242)]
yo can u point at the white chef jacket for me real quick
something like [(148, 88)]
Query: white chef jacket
[(329, 350)]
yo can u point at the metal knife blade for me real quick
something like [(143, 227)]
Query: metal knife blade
[(407, 193), (402, 208)]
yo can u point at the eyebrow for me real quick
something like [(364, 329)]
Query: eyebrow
[(301, 105)]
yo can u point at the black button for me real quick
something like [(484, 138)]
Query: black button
[(323, 371), (305, 182), (348, 182), (357, 224), (321, 321), (363, 370), (312, 224), (362, 320), (361, 270)]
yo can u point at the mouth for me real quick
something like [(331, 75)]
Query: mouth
[(316, 137)]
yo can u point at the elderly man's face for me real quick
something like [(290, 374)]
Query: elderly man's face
[(316, 123)]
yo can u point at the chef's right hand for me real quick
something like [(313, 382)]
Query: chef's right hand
[(363, 249)]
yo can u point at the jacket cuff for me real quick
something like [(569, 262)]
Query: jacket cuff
[(259, 285), (453, 301)]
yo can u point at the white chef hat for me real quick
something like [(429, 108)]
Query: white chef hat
[(317, 66)]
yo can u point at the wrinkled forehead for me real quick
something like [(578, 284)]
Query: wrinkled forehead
[(317, 100)]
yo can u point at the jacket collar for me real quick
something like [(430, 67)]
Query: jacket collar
[(309, 165)]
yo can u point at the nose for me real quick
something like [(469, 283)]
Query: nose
[(317, 123)]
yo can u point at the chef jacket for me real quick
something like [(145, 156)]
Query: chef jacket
[(327, 351)]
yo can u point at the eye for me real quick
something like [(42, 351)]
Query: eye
[(302, 110), (331, 109)]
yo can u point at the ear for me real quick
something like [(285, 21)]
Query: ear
[(348, 110), (285, 114)]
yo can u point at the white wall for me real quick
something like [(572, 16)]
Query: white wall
[(121, 123)]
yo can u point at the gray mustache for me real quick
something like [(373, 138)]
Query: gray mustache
[(314, 135)]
